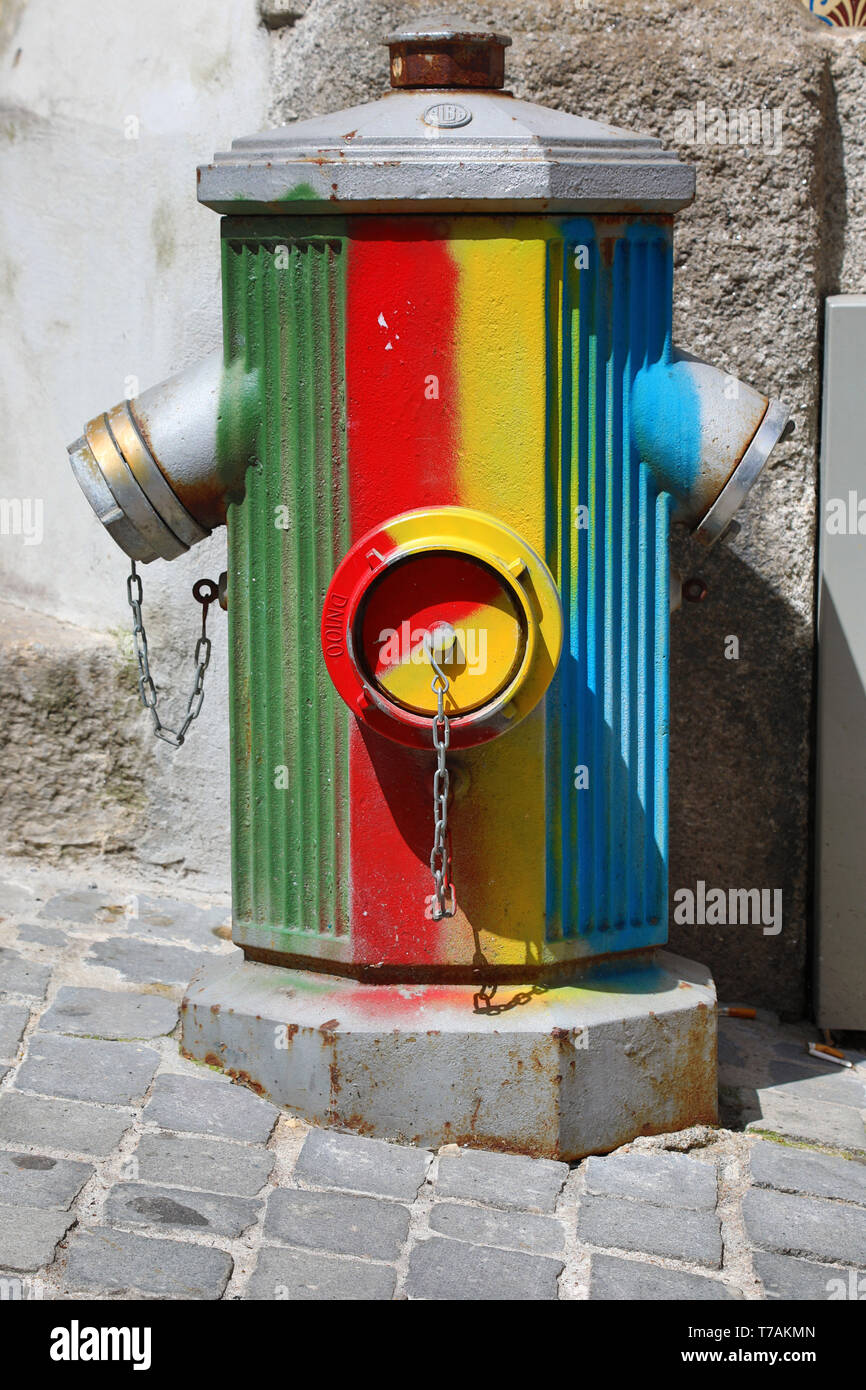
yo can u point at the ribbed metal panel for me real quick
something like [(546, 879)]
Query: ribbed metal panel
[(608, 708), (284, 314)]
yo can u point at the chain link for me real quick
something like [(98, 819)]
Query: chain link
[(205, 592), (444, 904)]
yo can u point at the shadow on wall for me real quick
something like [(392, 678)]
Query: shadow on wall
[(740, 799)]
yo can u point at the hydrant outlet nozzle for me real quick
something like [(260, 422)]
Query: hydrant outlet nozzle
[(152, 468)]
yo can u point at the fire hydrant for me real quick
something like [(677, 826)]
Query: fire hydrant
[(448, 435)]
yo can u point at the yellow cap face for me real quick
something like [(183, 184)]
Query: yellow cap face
[(444, 607)]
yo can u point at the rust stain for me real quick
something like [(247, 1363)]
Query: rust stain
[(357, 1124), (532, 1148), (452, 62), (243, 1078)]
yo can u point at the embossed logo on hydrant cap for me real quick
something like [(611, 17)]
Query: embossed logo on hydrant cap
[(447, 115)]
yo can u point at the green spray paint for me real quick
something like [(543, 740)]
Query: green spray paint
[(284, 316)]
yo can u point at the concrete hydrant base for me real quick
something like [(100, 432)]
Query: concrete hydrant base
[(563, 1071)]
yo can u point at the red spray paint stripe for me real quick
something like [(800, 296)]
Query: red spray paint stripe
[(402, 291), (400, 327)]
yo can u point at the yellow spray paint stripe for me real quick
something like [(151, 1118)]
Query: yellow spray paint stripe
[(502, 372)]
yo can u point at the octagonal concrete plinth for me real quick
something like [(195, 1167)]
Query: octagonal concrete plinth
[(627, 1048)]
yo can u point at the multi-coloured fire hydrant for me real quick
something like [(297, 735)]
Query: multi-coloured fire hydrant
[(448, 435)]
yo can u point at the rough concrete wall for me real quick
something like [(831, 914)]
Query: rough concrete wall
[(67, 731), (109, 275), (766, 238), (112, 270)]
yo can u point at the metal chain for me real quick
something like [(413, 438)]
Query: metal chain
[(440, 857), (205, 592)]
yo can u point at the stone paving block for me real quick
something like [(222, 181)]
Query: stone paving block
[(61, 1124), (838, 1087), (35, 1180), (338, 1223), (13, 1021), (206, 1213), (804, 1280), (329, 1159), (212, 1164), (807, 1226), (176, 920), (818, 1122), (43, 936), (452, 1269), (677, 1234), (203, 1105), (103, 1013), (614, 1279), (21, 976), (146, 962), (730, 1053), (106, 1259), (666, 1179), (502, 1180), (296, 1276), (115, 1073), (811, 1174), (15, 898), (516, 1230), (83, 905), (28, 1236)]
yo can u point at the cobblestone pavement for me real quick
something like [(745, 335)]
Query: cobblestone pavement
[(127, 1171)]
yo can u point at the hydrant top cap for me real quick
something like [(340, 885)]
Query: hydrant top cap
[(447, 53), (446, 138)]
